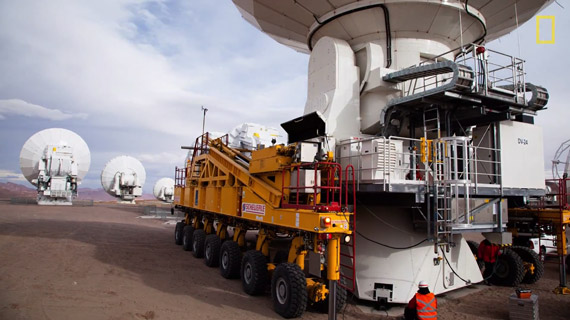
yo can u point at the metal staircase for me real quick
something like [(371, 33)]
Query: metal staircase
[(448, 161)]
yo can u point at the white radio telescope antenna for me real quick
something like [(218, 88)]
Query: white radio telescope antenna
[(55, 161), (123, 177)]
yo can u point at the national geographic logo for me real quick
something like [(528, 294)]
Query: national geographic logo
[(544, 28)]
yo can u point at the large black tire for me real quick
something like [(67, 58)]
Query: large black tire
[(568, 263), (179, 232), (187, 234), (289, 290), (509, 269), (212, 250), (529, 256), (254, 275), (230, 260), (198, 239), (341, 297)]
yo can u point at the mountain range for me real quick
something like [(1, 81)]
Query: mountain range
[(14, 190)]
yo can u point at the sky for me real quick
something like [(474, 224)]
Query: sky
[(130, 77)]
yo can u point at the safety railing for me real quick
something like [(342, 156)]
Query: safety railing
[(556, 196), (180, 176), (202, 144), (479, 70), (322, 193), (399, 160), (495, 71)]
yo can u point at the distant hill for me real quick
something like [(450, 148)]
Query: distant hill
[(13, 190)]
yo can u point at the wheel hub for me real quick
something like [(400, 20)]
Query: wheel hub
[(281, 291), (208, 251), (225, 260), (247, 273)]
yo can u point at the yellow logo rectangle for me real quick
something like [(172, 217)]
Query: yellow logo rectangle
[(538, 18)]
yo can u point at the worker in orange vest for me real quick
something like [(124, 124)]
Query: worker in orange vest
[(423, 305), (488, 253)]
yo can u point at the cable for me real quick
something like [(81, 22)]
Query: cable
[(450, 267), (386, 22), (482, 38), (391, 247)]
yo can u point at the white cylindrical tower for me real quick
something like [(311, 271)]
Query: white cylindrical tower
[(392, 78)]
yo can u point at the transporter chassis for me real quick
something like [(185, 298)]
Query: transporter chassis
[(300, 227)]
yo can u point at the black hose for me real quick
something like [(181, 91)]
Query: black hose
[(390, 247), (450, 267), (386, 21), (482, 38)]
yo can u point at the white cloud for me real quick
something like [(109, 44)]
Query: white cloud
[(166, 158), (140, 64), (11, 176), (23, 108)]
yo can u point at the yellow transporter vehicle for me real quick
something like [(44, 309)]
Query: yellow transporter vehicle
[(294, 203)]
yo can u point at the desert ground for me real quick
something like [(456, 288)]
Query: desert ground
[(104, 262)]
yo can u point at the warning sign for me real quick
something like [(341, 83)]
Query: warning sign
[(254, 208)]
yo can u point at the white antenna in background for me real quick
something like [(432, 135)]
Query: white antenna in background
[(55, 161), (123, 177), (164, 190)]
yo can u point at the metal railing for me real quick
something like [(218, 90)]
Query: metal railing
[(325, 189), (400, 160), (495, 71), (481, 70), (556, 196), (180, 176)]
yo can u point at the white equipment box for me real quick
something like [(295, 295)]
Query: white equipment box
[(306, 151), (383, 159), (349, 151), (521, 157)]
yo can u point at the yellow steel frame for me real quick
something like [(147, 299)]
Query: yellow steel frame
[(559, 219), (223, 186), (218, 184)]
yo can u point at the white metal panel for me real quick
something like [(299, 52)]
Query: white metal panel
[(333, 87), (404, 268), (522, 150), (34, 149)]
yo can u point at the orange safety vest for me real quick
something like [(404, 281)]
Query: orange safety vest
[(426, 306)]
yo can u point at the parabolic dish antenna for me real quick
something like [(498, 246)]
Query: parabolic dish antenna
[(164, 189), (55, 161), (299, 24), (34, 148), (123, 177)]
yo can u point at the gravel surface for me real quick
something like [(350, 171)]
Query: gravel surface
[(103, 262)]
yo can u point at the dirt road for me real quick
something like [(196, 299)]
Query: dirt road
[(103, 262)]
